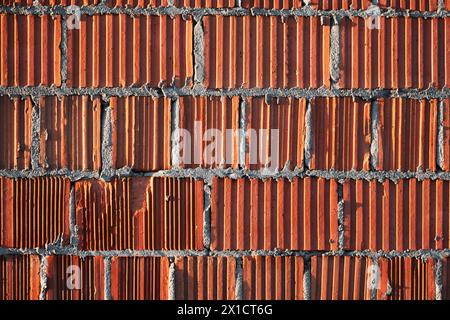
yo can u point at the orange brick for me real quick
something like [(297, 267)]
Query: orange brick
[(19, 277), (15, 140), (273, 278), (205, 278), (140, 213), (29, 50), (75, 278)]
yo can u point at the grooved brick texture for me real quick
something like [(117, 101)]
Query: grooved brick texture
[(224, 149)]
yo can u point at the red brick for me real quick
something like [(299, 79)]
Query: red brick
[(273, 278), (205, 278), (15, 140), (34, 212), (265, 52), (139, 278), (409, 215), (213, 127), (19, 277), (416, 5), (340, 4), (340, 278), (141, 133), (120, 50), (287, 115), (445, 279), (406, 279), (70, 133), (140, 214), (66, 273), (255, 214), (341, 134), (267, 4), (404, 53), (407, 134), (29, 50)]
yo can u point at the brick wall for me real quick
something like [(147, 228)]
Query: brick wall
[(104, 193)]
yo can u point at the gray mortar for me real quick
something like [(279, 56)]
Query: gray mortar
[(236, 11), (43, 278), (72, 217), (374, 125), (106, 135), (63, 49), (171, 283), (308, 136), (35, 136), (107, 278), (242, 131), (307, 279), (438, 279), (60, 249), (175, 136), (199, 90), (341, 222), (207, 216), (374, 291), (334, 53), (208, 174), (199, 56), (441, 136), (239, 279)]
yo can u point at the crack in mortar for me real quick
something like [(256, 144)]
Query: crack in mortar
[(107, 278), (208, 174), (374, 125), (198, 90), (236, 11), (43, 278), (171, 282), (106, 136), (441, 136), (239, 279)]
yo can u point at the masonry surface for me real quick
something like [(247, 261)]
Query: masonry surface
[(92, 183)]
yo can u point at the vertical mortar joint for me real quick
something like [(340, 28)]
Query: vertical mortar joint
[(171, 282), (35, 133), (374, 125), (341, 222), (438, 279), (72, 217), (306, 278), (239, 279), (107, 278), (63, 47), (334, 52), (242, 131), (440, 157), (207, 215), (199, 52), (43, 278), (308, 136), (106, 136), (175, 136)]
